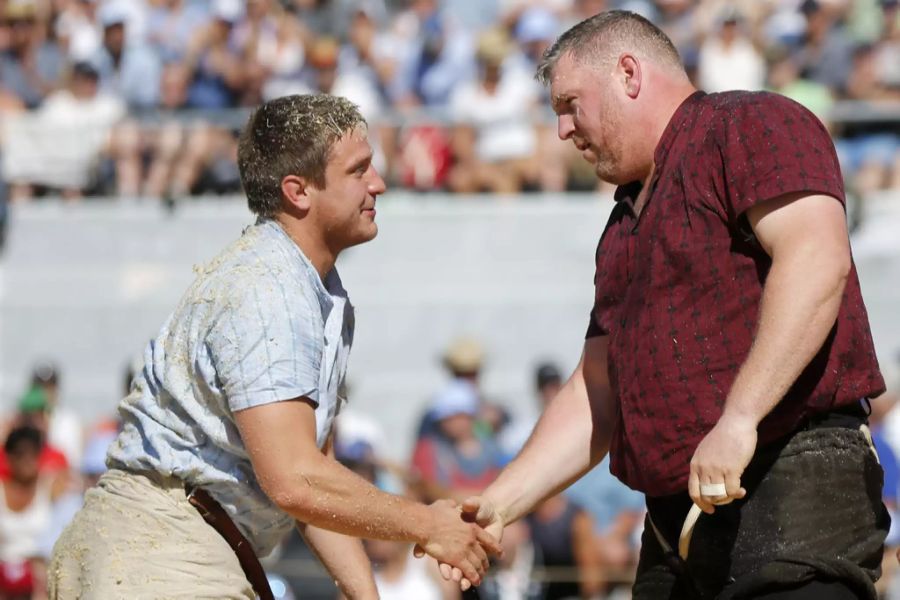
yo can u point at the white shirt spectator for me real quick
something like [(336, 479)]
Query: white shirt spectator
[(21, 531), (80, 33), (736, 66), (414, 583), (502, 120), (100, 112)]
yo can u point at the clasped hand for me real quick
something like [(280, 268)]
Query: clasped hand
[(460, 543), (461, 557)]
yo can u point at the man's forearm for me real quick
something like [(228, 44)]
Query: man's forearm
[(345, 560), (571, 437), (800, 303), (327, 495)]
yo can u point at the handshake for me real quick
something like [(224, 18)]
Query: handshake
[(461, 538)]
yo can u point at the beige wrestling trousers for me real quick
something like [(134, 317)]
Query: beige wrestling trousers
[(137, 538)]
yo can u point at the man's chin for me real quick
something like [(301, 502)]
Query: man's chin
[(366, 235)]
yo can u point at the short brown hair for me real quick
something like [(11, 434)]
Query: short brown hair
[(604, 36), (292, 135)]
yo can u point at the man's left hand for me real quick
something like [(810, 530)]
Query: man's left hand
[(719, 462)]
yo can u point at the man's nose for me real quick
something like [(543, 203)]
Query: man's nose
[(376, 184), (565, 127)]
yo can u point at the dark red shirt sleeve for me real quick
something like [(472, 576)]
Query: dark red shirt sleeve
[(770, 146)]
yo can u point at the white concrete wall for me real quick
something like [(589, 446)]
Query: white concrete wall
[(88, 285)]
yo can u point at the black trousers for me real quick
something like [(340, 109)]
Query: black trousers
[(811, 526)]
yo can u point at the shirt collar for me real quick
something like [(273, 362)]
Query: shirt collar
[(326, 291), (679, 120)]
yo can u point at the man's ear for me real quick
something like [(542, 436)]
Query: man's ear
[(630, 71), (295, 191)]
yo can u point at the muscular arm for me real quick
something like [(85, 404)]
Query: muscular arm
[(317, 490), (809, 245), (343, 556), (571, 436), (806, 236)]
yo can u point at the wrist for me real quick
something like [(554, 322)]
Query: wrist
[(423, 521), (740, 418), (502, 510)]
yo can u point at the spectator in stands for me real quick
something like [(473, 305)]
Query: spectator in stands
[(513, 573), (24, 516), (271, 49), (64, 428), (826, 53), (77, 31), (214, 63), (535, 29), (678, 20), (31, 65), (728, 59), (10, 104), (888, 45), (129, 70), (887, 457), (91, 115), (617, 512), (785, 78), (870, 153), (455, 460), (158, 148), (494, 140), (547, 381), (327, 77), (563, 534), (439, 58), (172, 24), (370, 53), (33, 412), (399, 576)]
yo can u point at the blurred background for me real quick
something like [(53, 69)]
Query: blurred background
[(118, 124)]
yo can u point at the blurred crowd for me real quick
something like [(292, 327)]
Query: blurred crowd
[(143, 98), (583, 543)]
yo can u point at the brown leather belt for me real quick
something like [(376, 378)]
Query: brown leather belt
[(213, 513)]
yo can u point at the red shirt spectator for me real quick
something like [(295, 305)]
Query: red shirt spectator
[(50, 461), (678, 289), (454, 459)]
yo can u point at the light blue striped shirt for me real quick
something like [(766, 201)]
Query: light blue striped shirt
[(257, 326)]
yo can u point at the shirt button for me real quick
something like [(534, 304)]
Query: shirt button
[(326, 341)]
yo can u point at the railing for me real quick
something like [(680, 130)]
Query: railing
[(845, 112)]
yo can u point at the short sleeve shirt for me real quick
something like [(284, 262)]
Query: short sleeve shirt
[(677, 290), (257, 326)]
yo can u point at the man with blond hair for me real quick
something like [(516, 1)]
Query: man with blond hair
[(227, 436)]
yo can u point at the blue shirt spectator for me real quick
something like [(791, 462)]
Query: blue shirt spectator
[(130, 71), (604, 496), (30, 67)]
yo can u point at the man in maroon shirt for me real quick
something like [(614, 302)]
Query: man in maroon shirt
[(728, 349)]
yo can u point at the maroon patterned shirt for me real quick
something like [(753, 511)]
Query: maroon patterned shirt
[(678, 289)]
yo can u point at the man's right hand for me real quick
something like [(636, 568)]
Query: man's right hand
[(480, 511), (460, 547)]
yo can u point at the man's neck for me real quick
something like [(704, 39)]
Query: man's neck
[(641, 201), (314, 248), (676, 92)]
